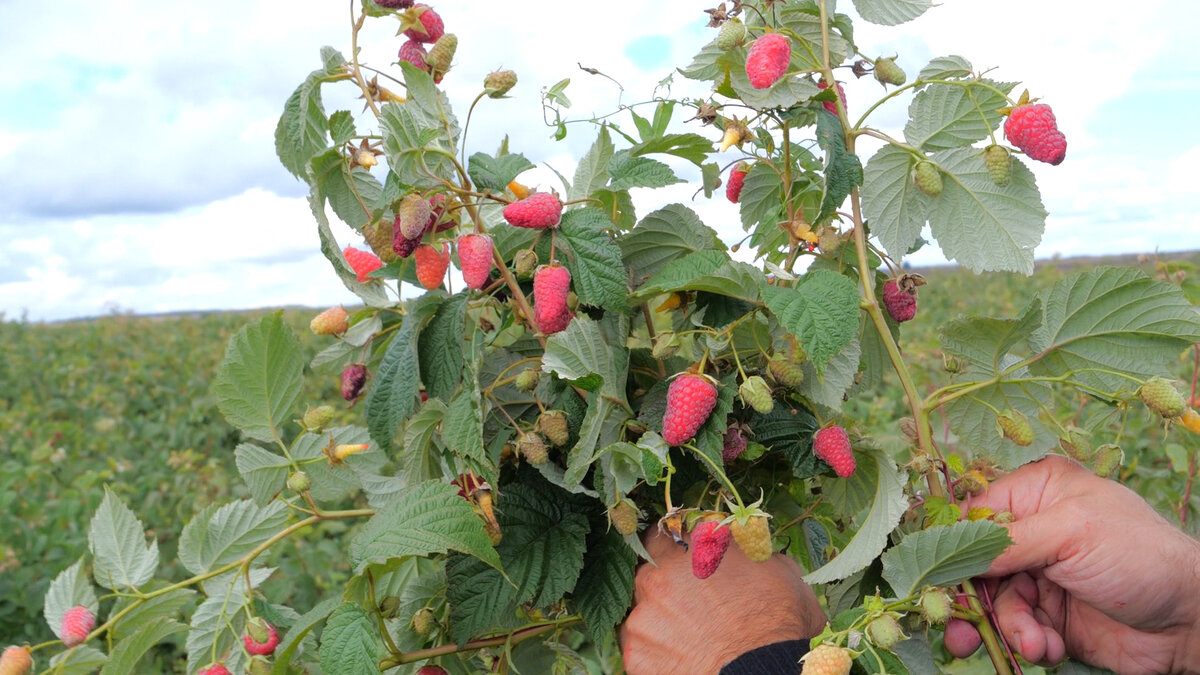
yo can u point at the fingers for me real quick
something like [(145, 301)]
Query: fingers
[(1038, 541), (1024, 625)]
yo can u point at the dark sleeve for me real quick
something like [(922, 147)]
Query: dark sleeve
[(781, 658)]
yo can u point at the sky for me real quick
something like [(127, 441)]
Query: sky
[(138, 171)]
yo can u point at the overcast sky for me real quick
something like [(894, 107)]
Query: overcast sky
[(137, 163)]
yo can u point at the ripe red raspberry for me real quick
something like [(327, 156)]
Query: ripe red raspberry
[(414, 53), (354, 376), (362, 262), (431, 670), (475, 259), (830, 105), (901, 305), (215, 669), (832, 444), (432, 27), (1033, 129), (733, 445), (15, 661), (261, 638), (77, 622), (768, 60), (710, 540), (538, 211), (551, 283), (690, 400), (432, 265), (737, 178)]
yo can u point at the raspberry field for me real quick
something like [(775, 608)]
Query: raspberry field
[(124, 402)]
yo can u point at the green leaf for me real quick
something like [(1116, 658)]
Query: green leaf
[(761, 200), (257, 385), (583, 350), (984, 342), (216, 628), (692, 147), (264, 472), (662, 236), (592, 172), (300, 133), (218, 536), (711, 63), (341, 127), (1115, 319), (710, 270), (463, 426), (480, 598), (789, 431), (830, 386), (804, 21), (972, 418), (350, 643), (787, 92), (944, 116), (154, 610), (821, 311), (980, 225), (843, 171), (393, 395), (440, 348), (330, 482), (891, 12), (428, 518), (710, 438), (887, 507), (352, 191), (605, 587), (372, 292), (943, 556), (628, 171), (597, 271), (495, 173), (291, 641), (891, 202), (71, 588), (543, 544), (80, 660), (126, 653), (945, 68), (122, 560)]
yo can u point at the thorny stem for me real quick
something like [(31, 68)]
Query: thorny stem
[(512, 638), (996, 651), (362, 84)]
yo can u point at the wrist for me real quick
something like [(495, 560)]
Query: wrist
[(1187, 658)]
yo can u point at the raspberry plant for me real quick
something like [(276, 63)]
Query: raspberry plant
[(489, 509)]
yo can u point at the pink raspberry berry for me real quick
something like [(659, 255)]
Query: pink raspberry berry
[(475, 259), (1033, 129), (832, 444), (432, 27), (77, 622), (690, 400), (551, 283), (362, 262), (737, 178), (537, 211), (768, 60), (710, 540)]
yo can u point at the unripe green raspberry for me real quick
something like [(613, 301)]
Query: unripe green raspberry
[(533, 448), (498, 83), (1161, 396), (553, 425), (624, 517), (1107, 460), (756, 393), (527, 380), (1015, 427), (316, 419), (785, 371), (1076, 444), (998, 161), (298, 482), (257, 629), (732, 34), (423, 622), (928, 178), (259, 665), (887, 72), (379, 235), (442, 54), (884, 631), (525, 261), (935, 606)]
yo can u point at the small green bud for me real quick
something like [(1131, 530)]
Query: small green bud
[(316, 419), (298, 482)]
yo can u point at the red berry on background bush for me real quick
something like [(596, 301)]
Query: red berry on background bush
[(77, 622)]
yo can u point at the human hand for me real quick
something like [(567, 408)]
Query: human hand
[(683, 624), (1094, 572)]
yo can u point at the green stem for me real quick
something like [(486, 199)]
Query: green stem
[(719, 472), (996, 651), (514, 637)]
